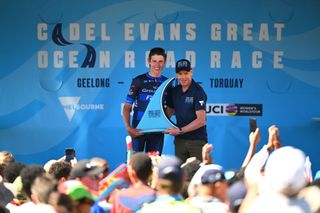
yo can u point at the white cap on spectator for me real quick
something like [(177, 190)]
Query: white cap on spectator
[(196, 179), (285, 171)]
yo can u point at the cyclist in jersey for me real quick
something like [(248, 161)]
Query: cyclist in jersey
[(141, 90)]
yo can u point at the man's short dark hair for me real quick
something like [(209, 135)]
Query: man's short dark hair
[(28, 175), (170, 186), (141, 163), (157, 51), (43, 186), (60, 169), (12, 171)]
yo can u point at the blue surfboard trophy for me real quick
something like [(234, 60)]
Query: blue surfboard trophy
[(154, 118)]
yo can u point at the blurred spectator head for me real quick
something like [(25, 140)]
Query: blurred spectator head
[(214, 181), (103, 163), (85, 168), (82, 197), (60, 170), (12, 171), (76, 190), (62, 203), (196, 179), (28, 175), (311, 195), (42, 187), (190, 167), (170, 175), (141, 164), (6, 157), (285, 171), (49, 164), (236, 193), (89, 173), (213, 176)]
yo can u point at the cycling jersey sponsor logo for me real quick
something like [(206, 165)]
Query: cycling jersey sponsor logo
[(144, 90)]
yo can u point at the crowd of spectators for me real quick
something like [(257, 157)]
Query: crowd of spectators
[(274, 179)]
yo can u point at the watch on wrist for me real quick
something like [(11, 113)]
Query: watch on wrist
[(180, 131)]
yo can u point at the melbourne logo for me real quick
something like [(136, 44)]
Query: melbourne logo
[(71, 105)]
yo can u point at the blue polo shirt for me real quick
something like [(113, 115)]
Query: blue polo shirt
[(141, 91), (185, 105)]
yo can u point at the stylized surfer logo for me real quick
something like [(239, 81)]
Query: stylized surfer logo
[(58, 39)]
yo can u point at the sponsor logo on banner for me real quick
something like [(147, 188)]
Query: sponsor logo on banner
[(71, 105), (217, 109)]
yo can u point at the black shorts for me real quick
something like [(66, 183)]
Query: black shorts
[(151, 142)]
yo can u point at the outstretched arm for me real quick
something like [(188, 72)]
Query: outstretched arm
[(253, 170), (254, 139), (274, 140), (206, 154)]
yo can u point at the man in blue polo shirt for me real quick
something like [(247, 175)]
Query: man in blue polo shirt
[(188, 102), (141, 91)]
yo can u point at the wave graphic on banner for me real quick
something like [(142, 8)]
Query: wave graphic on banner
[(57, 36), (303, 58), (40, 91)]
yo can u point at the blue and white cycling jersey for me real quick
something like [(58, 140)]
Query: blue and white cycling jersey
[(141, 91)]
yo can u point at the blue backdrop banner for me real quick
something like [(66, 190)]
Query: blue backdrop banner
[(66, 67)]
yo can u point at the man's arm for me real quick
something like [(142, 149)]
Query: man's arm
[(206, 154), (200, 121), (273, 140), (126, 118), (254, 139)]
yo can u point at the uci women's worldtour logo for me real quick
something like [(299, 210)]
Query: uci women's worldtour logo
[(71, 105), (217, 109)]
